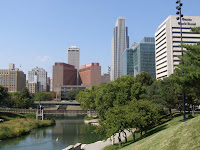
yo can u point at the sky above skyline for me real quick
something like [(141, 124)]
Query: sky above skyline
[(38, 32)]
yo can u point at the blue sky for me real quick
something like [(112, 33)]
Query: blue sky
[(38, 32)]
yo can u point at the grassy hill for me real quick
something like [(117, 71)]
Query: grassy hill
[(172, 135)]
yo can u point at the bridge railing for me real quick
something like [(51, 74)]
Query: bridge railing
[(33, 111), (65, 111), (18, 110)]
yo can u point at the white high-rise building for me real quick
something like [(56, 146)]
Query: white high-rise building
[(120, 42), (167, 42), (38, 76), (73, 56)]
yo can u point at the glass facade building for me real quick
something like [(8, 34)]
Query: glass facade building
[(127, 62), (141, 58)]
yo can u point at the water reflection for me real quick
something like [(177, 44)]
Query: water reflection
[(69, 131)]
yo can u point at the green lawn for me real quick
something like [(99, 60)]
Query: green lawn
[(11, 116), (15, 125), (173, 135)]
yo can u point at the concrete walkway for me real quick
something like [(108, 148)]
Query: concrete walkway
[(99, 145)]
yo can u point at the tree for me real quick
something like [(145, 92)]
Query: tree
[(142, 114), (116, 93), (144, 78), (3, 95), (115, 122), (170, 93), (71, 95), (189, 71), (142, 81), (86, 98), (42, 96)]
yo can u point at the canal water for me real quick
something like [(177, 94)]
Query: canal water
[(68, 131)]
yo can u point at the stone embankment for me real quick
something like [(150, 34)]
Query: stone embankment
[(73, 147), (92, 122)]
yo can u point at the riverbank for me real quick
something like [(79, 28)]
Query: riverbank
[(100, 145), (16, 127)]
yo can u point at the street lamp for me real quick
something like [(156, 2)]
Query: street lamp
[(180, 18)]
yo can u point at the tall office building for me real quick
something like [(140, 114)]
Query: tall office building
[(38, 76), (120, 42), (90, 74), (167, 42), (140, 58), (73, 56), (127, 62), (63, 74), (48, 84), (13, 79)]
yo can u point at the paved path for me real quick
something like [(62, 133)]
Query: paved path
[(99, 145)]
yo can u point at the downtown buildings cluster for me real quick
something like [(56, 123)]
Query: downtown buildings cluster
[(156, 55)]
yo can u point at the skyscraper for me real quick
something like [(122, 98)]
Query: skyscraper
[(140, 58), (120, 42), (73, 56), (38, 76), (167, 42), (12, 78)]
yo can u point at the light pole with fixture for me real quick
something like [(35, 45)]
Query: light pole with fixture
[(180, 18)]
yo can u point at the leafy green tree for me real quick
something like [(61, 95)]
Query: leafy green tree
[(142, 114), (86, 98), (144, 78), (3, 95), (116, 93), (190, 78), (71, 95), (42, 96), (142, 81), (170, 93), (116, 122)]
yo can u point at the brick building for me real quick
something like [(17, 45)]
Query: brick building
[(64, 74), (90, 74)]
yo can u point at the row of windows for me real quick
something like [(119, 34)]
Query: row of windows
[(186, 37), (161, 41), (184, 32), (160, 36), (161, 45), (161, 50), (161, 58), (161, 67), (161, 54), (161, 31), (161, 63), (188, 42), (162, 77), (162, 72)]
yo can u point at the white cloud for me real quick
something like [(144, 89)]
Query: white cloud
[(44, 58)]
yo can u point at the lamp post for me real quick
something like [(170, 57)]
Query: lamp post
[(180, 18)]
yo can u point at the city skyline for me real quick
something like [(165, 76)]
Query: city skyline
[(38, 33)]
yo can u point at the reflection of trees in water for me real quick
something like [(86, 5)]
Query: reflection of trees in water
[(72, 131), (13, 142), (69, 131)]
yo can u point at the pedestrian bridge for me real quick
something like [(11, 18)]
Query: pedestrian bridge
[(75, 103), (50, 112)]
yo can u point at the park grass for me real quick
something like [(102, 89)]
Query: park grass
[(16, 125), (12, 116), (171, 135)]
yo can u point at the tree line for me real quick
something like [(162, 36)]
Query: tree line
[(22, 99)]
